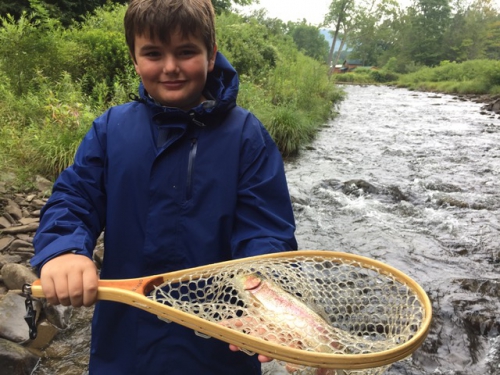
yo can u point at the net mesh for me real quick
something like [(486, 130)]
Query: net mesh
[(326, 305)]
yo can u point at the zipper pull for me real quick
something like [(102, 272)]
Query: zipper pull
[(194, 120)]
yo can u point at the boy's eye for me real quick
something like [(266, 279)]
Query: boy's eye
[(187, 52)]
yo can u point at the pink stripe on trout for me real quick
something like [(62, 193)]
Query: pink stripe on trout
[(285, 311)]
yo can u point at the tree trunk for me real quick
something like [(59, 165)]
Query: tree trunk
[(342, 43), (332, 47)]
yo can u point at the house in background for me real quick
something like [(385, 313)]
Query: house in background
[(339, 68), (352, 64), (349, 66)]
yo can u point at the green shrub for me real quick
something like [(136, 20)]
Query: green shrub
[(290, 128), (52, 140), (103, 53), (44, 140), (344, 77), (253, 97), (103, 56), (29, 48), (245, 45), (470, 77), (495, 90), (391, 65), (353, 77), (491, 72), (383, 76)]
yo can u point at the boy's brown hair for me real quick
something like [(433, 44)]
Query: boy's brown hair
[(160, 18)]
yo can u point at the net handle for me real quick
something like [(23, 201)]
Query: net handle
[(132, 292)]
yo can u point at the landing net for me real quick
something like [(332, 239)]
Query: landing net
[(338, 305)]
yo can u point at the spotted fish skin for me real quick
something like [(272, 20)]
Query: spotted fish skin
[(275, 299), (281, 310)]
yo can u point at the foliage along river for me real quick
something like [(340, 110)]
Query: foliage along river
[(410, 179)]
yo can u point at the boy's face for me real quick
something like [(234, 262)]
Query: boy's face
[(173, 74)]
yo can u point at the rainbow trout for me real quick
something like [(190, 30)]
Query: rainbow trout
[(280, 317)]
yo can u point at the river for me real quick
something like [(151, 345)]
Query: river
[(413, 180)]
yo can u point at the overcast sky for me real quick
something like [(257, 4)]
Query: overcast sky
[(294, 10), (312, 10)]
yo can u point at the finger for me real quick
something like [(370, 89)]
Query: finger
[(264, 359), (90, 284), (291, 368), (75, 288), (49, 289), (326, 371), (61, 290), (233, 348)]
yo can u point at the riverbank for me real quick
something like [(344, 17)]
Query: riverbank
[(19, 219), (18, 223)]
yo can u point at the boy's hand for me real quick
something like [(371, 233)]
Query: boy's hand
[(70, 279)]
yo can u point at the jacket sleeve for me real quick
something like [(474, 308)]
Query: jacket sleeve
[(264, 215), (74, 215)]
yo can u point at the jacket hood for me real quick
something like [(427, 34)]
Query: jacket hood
[(221, 89)]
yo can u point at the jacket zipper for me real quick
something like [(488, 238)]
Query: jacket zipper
[(192, 157)]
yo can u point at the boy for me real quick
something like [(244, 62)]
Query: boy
[(179, 178)]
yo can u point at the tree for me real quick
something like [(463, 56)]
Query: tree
[(14, 8), (343, 39), (423, 34), (483, 28), (492, 41), (431, 19), (69, 10), (371, 33), (309, 40), (457, 39), (66, 11), (225, 5), (338, 16)]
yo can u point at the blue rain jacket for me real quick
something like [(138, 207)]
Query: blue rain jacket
[(173, 190)]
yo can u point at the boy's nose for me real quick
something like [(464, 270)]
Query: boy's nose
[(170, 65)]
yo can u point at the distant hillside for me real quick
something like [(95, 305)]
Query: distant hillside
[(329, 38)]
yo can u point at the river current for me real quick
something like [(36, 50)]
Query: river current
[(413, 180), (410, 179)]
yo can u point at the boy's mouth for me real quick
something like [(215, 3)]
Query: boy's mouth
[(173, 84)]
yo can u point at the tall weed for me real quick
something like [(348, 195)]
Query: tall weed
[(290, 128), (45, 140)]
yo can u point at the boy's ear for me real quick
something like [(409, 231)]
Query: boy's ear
[(211, 61), (132, 57), (135, 63)]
